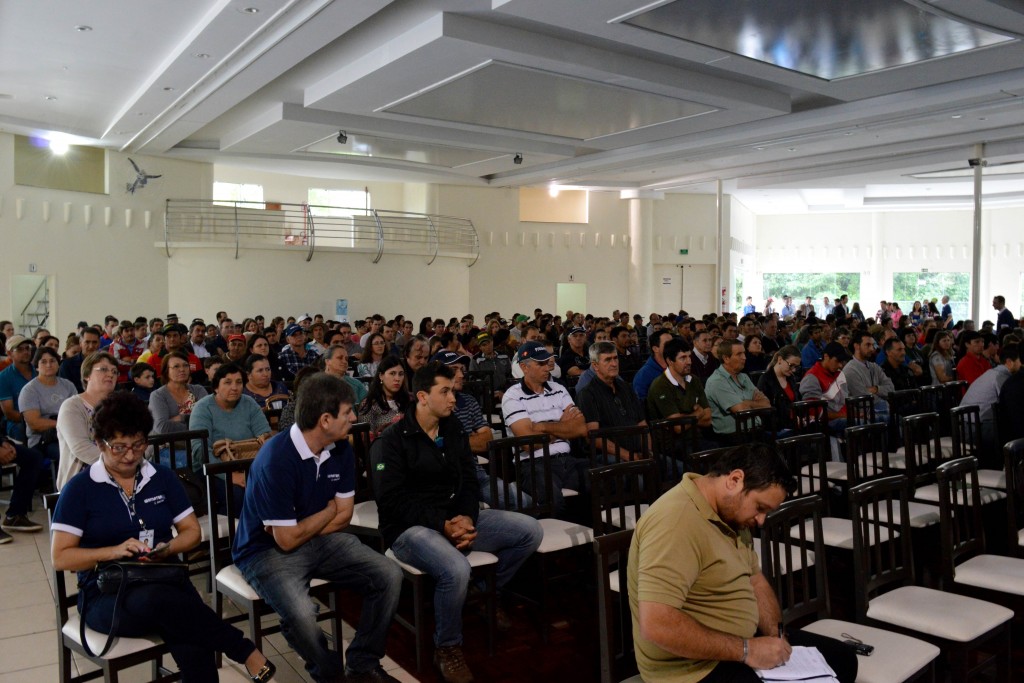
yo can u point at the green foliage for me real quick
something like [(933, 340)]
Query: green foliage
[(814, 285), (926, 286)]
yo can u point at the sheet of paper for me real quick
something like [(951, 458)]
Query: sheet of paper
[(805, 664)]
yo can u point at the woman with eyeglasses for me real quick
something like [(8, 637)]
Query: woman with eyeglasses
[(172, 403), (124, 508), (779, 384), (74, 419), (373, 354)]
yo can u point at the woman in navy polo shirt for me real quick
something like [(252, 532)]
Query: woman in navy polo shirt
[(121, 507)]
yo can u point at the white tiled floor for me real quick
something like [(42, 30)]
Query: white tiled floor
[(28, 631)]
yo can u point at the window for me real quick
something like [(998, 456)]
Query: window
[(737, 276), (227, 194), (338, 203), (910, 287), (814, 285)]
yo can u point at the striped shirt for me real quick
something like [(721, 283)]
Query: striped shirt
[(519, 403)]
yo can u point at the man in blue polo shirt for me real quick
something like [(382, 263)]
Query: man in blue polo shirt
[(300, 494)]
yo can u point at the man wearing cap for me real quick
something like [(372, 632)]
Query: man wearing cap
[(536, 406), (654, 367), (574, 360), (71, 368), (730, 391), (825, 380), (12, 380), (489, 360), (519, 323), (295, 356)]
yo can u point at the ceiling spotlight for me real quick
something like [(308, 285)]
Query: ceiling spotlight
[(59, 146), (342, 137), (82, 28), (517, 159)]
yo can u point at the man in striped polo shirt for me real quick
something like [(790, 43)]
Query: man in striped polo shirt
[(538, 406)]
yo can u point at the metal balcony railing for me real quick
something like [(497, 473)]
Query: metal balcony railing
[(309, 227)]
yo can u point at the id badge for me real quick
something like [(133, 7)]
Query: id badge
[(146, 536)]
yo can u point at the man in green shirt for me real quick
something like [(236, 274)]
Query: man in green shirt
[(702, 610), (676, 393)]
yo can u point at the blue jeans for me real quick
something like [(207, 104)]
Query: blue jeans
[(282, 579), (30, 468), (483, 478), (510, 535)]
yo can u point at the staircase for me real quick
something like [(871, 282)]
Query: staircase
[(37, 311)]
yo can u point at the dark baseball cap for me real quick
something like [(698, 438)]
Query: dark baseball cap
[(449, 358), (577, 330), (535, 351), (292, 329)]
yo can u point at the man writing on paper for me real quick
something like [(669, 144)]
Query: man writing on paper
[(702, 610)]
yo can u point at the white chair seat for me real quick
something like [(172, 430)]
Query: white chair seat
[(231, 579), (477, 558), (896, 657), (838, 533), (946, 447), (943, 615), (994, 572), (559, 535), (930, 493), (921, 514), (482, 461), (794, 558), (204, 527), (898, 460), (992, 479), (364, 515), (121, 646), (616, 518), (613, 580), (569, 493), (1020, 537)]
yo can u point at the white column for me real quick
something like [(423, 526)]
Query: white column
[(641, 255)]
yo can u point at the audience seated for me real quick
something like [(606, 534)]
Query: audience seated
[(387, 399), (825, 381), (780, 386), (973, 364), (655, 365), (985, 392), (78, 450), (172, 403), (295, 355), (39, 402), (260, 387), (730, 391), (609, 401), (336, 363)]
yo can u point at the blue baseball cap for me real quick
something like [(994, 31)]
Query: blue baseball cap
[(533, 350)]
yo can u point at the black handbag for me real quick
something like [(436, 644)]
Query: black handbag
[(195, 488), (119, 577)]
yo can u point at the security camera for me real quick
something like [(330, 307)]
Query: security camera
[(974, 163)]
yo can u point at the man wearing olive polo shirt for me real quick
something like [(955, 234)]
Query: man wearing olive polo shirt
[(702, 610)]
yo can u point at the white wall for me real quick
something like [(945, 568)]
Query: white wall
[(98, 267)]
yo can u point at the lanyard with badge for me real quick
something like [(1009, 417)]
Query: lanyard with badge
[(146, 536)]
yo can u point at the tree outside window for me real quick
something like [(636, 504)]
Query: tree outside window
[(814, 285), (910, 287)]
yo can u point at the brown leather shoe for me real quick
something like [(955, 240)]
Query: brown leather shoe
[(452, 665)]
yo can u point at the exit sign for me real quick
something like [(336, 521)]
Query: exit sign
[(684, 252)]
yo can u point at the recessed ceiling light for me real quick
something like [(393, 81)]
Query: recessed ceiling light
[(791, 149), (982, 118), (201, 55), (957, 116), (759, 148), (82, 28), (251, 10), (50, 98), (142, 113), (168, 89)]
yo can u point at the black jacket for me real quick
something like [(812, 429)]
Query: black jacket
[(770, 387), (419, 483)]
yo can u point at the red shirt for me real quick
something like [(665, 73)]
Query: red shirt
[(972, 367)]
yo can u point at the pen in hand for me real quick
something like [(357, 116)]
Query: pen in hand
[(782, 635)]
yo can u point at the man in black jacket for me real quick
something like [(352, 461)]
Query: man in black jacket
[(429, 505)]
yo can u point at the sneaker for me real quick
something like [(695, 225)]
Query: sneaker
[(452, 664), (378, 675), (20, 523), (5, 537)]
